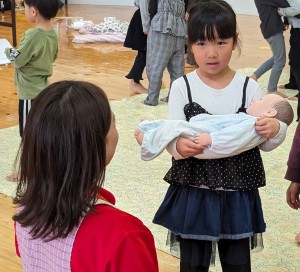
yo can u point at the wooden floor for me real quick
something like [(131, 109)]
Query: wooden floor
[(105, 65)]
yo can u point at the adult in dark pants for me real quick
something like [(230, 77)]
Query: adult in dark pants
[(136, 39), (293, 10)]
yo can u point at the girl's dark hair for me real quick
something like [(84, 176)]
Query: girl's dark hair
[(210, 17), (62, 158), (47, 8)]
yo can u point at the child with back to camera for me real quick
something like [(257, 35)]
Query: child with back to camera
[(70, 138), (214, 201), (219, 135), (34, 57)]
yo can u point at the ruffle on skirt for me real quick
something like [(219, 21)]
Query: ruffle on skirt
[(211, 215)]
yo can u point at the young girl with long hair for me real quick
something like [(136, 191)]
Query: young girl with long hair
[(65, 220), (214, 202)]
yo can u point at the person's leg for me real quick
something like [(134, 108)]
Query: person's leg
[(176, 64), (235, 255), (292, 84), (24, 107), (295, 61), (195, 255), (136, 73), (159, 51), (278, 49), (263, 68)]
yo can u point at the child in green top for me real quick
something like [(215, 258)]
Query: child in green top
[(33, 59)]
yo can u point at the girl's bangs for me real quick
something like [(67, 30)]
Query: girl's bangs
[(211, 27)]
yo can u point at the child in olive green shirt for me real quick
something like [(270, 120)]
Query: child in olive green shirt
[(33, 59)]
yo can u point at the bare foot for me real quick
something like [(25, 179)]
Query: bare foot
[(137, 87), (13, 177), (297, 238), (281, 87), (254, 76), (139, 136), (278, 93), (294, 98), (164, 99)]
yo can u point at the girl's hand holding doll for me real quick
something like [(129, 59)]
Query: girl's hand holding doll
[(187, 148), (267, 127)]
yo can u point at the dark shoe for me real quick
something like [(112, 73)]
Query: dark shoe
[(289, 86), (148, 104)]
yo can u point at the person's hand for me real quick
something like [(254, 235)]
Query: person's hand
[(267, 127), (202, 139), (146, 33), (286, 27), (187, 148), (292, 195), (186, 16)]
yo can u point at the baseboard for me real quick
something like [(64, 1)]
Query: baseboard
[(102, 2)]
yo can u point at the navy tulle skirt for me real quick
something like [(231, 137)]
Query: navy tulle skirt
[(211, 215)]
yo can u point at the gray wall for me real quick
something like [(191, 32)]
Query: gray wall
[(240, 6)]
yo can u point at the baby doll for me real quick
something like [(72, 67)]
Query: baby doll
[(217, 135)]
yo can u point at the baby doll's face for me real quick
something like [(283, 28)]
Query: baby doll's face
[(112, 138), (259, 108)]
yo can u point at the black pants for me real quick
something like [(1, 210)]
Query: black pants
[(234, 255), (292, 84), (24, 107), (136, 72), (295, 60)]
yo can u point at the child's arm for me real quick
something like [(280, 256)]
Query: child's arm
[(231, 140), (144, 9), (22, 55), (293, 172), (158, 134), (203, 140), (187, 148), (273, 130), (293, 10)]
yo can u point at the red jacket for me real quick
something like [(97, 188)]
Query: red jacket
[(111, 240)]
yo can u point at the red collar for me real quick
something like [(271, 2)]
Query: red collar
[(106, 196)]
